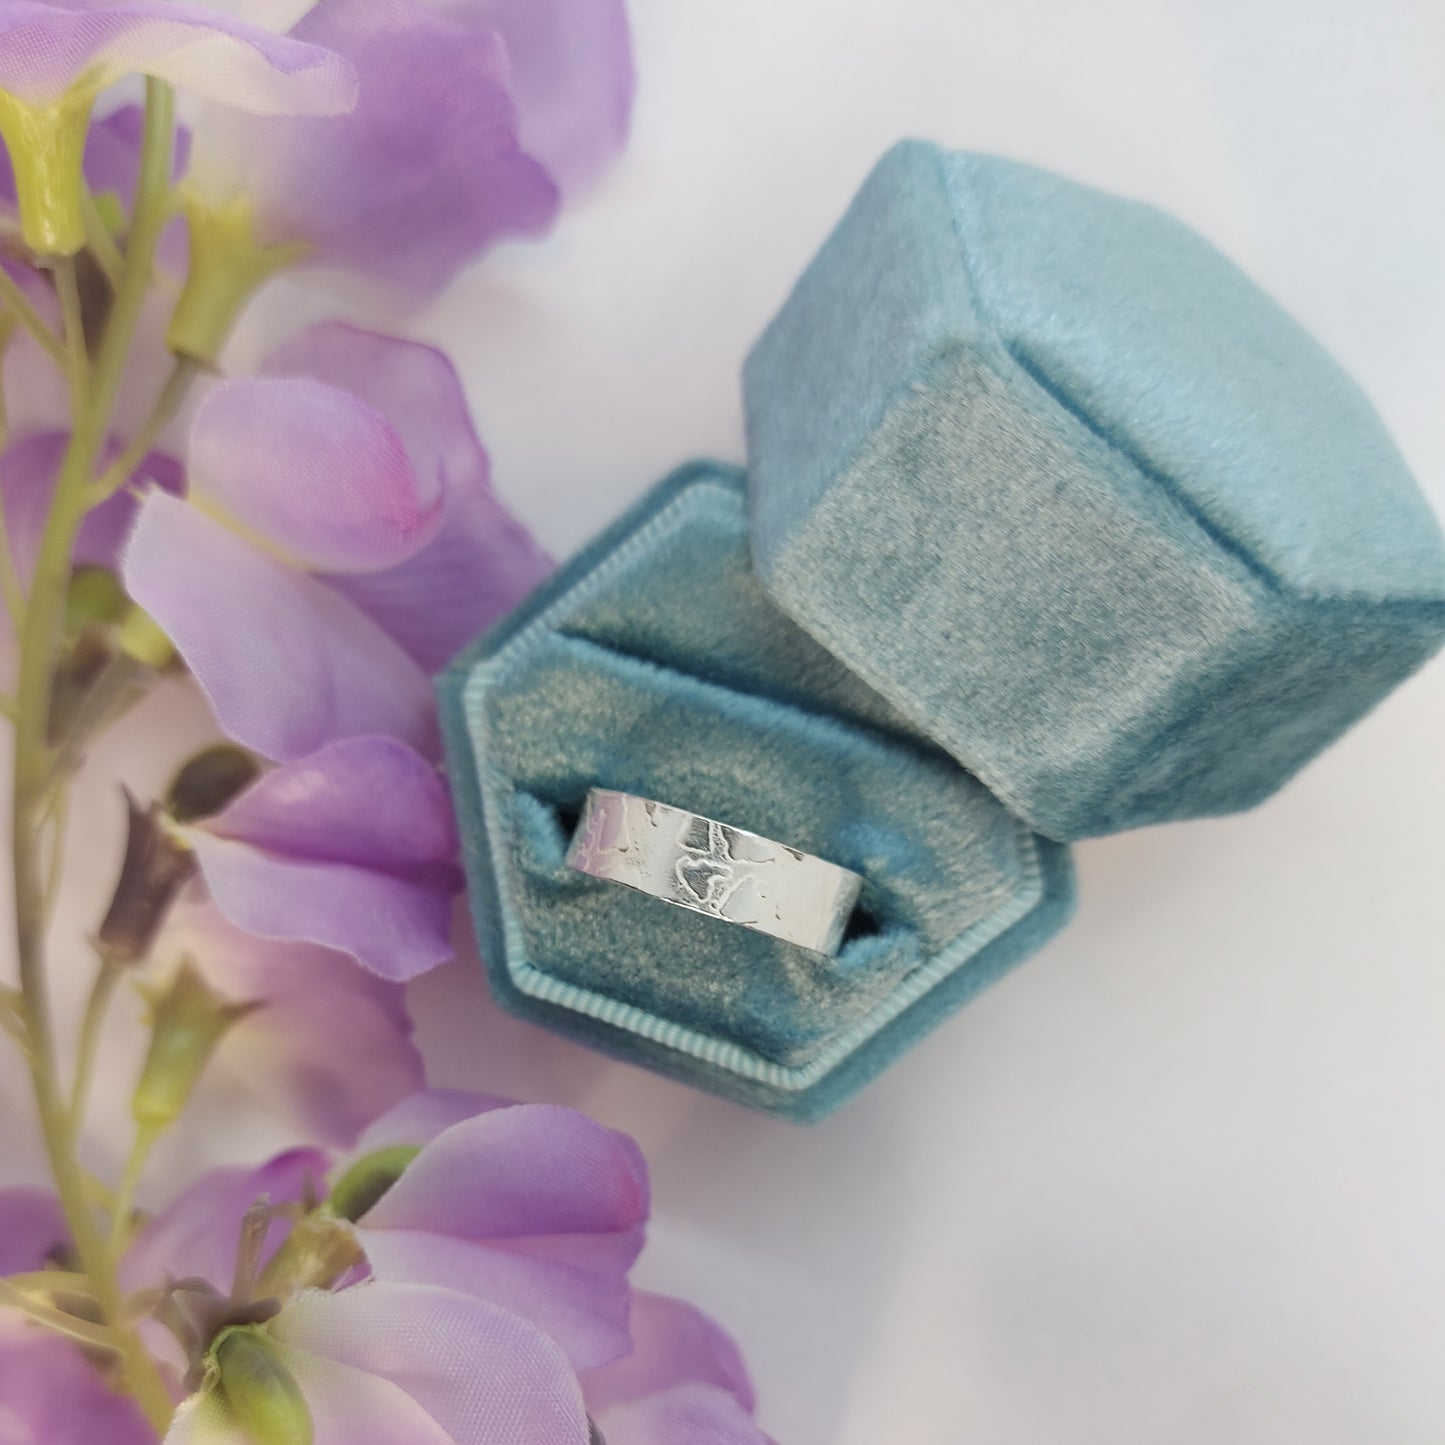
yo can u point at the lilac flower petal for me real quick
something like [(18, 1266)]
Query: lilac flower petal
[(28, 469), (370, 801), (572, 79), (535, 1207), (313, 470), (286, 663), (395, 927), (46, 46), (673, 1343), (426, 172), (695, 1413), (198, 1231), (531, 1170), (32, 1226), (419, 1119), (285, 1052), (50, 1394), (483, 561), (479, 1375)]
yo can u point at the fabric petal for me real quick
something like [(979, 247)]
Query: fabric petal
[(531, 1170), (695, 1413), (48, 45), (673, 1343), (32, 1227), (198, 1232), (482, 561), (50, 1394), (395, 927), (535, 1207), (484, 1376), (286, 663), (572, 79), (424, 175), (372, 802), (419, 1119), (28, 469), (313, 470), (204, 1420), (285, 1052)]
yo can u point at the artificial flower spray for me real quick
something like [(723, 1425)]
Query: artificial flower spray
[(309, 544)]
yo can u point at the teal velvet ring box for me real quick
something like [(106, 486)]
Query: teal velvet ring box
[(1053, 524)]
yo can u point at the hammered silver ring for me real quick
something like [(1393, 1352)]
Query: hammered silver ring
[(715, 869)]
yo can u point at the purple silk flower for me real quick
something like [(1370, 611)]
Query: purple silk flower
[(529, 1206), (475, 119), (349, 541), (382, 545)]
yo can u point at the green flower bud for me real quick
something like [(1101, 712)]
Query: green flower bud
[(228, 265), (140, 636), (368, 1179), (47, 147), (318, 1251), (265, 1401), (188, 1019), (94, 596)]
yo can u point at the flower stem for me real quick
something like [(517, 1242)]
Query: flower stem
[(168, 403), (14, 1298), (102, 990), (19, 304), (10, 588), (120, 1218), (93, 393)]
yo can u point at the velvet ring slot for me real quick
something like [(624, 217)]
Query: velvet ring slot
[(654, 664)]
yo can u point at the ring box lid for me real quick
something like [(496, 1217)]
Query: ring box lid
[(1061, 483)]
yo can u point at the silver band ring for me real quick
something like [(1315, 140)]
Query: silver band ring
[(715, 869)]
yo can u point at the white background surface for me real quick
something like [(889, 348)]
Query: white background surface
[(1179, 1179)]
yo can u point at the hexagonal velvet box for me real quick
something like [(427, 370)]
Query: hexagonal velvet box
[(655, 664), (1063, 485)]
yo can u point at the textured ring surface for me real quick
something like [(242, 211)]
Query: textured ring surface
[(715, 869)]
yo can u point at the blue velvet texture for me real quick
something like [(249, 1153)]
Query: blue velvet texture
[(1062, 484), (656, 664)]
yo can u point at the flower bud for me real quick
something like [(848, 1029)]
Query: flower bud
[(319, 1250), (94, 596), (368, 1179), (46, 142), (155, 866), (209, 780), (85, 662), (188, 1020), (140, 636), (265, 1400), (228, 264)]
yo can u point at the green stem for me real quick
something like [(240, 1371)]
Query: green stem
[(10, 588), (77, 359), (93, 399), (168, 403), (120, 1217), (53, 1319), (29, 317), (56, 822), (102, 990)]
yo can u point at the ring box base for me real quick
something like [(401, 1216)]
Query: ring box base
[(655, 664)]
